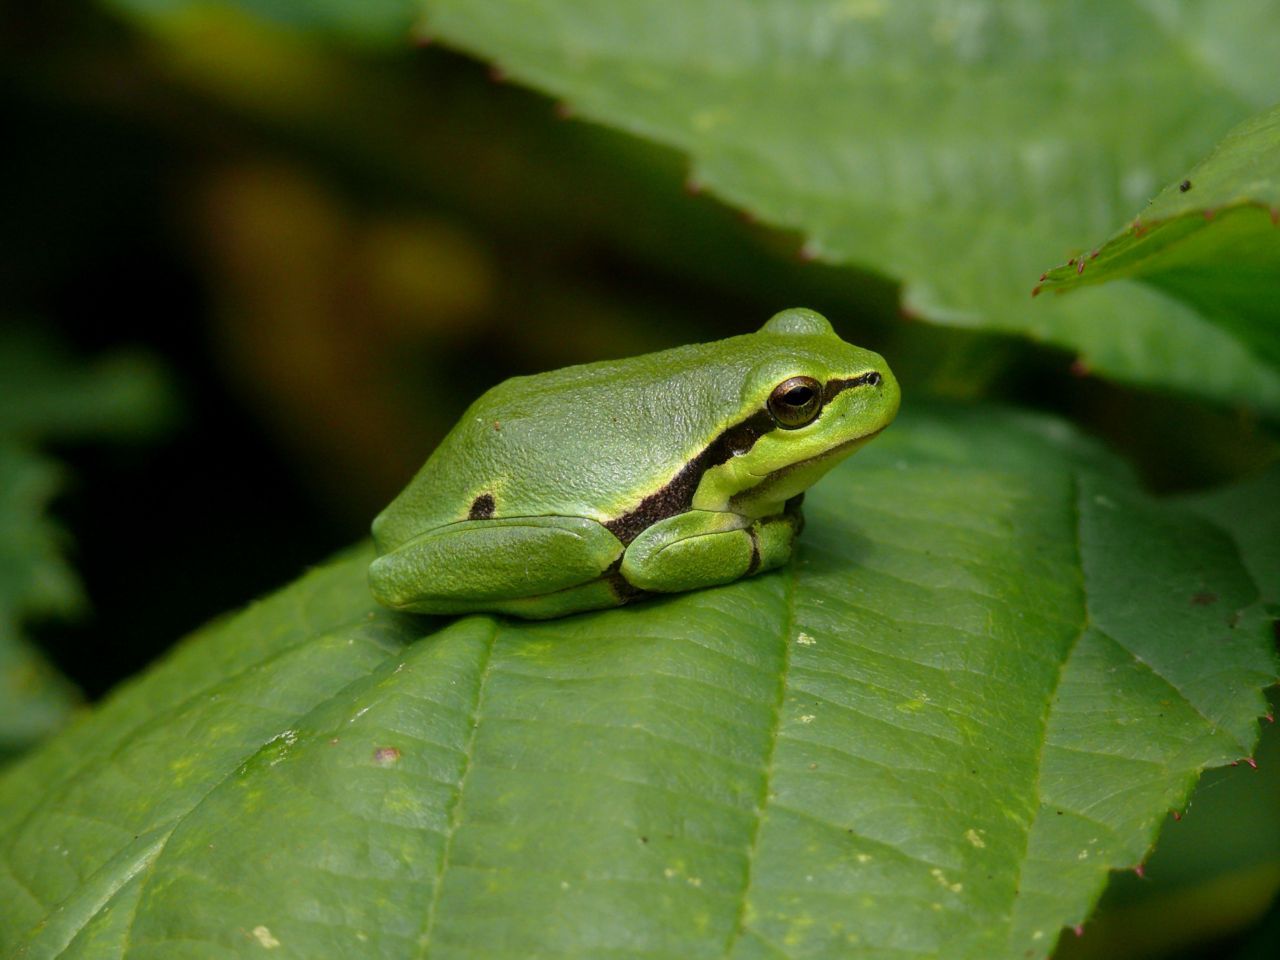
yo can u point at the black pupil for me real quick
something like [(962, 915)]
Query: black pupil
[(798, 396)]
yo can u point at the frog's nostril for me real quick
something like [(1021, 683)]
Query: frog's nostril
[(874, 378)]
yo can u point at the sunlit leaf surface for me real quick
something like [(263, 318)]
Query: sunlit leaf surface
[(958, 149), (993, 669)]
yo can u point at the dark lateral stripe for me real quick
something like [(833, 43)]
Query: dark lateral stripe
[(834, 387), (677, 495)]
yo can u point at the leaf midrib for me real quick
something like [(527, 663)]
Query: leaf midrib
[(1037, 791), (762, 805), (455, 806)]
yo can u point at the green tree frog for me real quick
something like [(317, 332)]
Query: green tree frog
[(600, 484)]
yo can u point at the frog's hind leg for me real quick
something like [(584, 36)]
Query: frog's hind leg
[(501, 565), (702, 548)]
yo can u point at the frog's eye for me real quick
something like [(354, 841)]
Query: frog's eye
[(796, 401)]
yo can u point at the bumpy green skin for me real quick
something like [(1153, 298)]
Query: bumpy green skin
[(599, 484)]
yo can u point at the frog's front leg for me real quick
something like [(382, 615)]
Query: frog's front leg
[(702, 548), (492, 564)]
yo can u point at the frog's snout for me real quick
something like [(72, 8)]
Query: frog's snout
[(890, 396)]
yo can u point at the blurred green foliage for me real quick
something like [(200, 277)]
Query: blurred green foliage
[(334, 241), (49, 397), (34, 581)]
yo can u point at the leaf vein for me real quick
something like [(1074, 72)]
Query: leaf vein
[(766, 784), (456, 806)]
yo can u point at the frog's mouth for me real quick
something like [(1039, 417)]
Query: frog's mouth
[(810, 468)]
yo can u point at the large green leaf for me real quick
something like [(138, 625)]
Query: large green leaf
[(957, 149), (992, 670), (944, 146), (1210, 240)]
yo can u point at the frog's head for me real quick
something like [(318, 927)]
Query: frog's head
[(812, 399)]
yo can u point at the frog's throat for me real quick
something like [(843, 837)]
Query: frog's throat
[(773, 487), (676, 495)]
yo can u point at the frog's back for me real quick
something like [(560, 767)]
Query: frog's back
[(585, 441)]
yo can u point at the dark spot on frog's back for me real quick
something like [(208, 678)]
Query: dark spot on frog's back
[(481, 507)]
